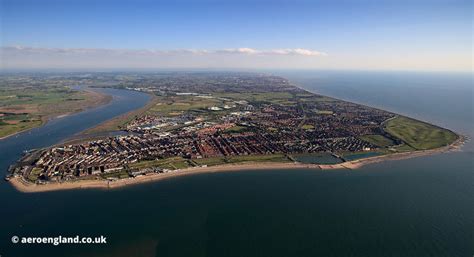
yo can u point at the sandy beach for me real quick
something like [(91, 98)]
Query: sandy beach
[(27, 187)]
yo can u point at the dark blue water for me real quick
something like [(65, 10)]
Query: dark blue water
[(417, 207), (351, 157), (317, 158)]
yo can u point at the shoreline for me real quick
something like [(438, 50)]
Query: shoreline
[(27, 187), (103, 99), (105, 127)]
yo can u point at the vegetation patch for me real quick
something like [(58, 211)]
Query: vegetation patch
[(119, 174), (419, 135), (35, 172), (178, 104), (403, 148), (241, 159), (210, 161), (237, 129), (322, 112), (168, 163), (23, 108), (378, 140), (258, 158)]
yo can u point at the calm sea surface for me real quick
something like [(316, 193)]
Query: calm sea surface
[(417, 207)]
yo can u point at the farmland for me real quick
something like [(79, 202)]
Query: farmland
[(28, 107)]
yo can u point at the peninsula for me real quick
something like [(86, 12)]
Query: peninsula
[(208, 122), (30, 100)]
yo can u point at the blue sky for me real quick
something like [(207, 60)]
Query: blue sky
[(350, 34)]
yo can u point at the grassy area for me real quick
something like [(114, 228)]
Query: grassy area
[(34, 174), (378, 140), (210, 161), (15, 97), (236, 129), (241, 159), (307, 126), (322, 112), (119, 174), (173, 105), (419, 135), (26, 108), (258, 158), (403, 148), (168, 163), (7, 129)]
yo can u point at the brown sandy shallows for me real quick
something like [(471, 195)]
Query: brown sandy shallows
[(21, 185)]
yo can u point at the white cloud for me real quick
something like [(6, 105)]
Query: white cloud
[(298, 51), (286, 51), (20, 57), (244, 51)]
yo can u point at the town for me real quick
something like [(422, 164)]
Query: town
[(211, 119)]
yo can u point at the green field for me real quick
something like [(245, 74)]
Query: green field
[(403, 148), (241, 159), (174, 105), (419, 135), (258, 158), (324, 112), (210, 161), (168, 163), (237, 129), (9, 97), (9, 129), (118, 174), (378, 140), (25, 108), (34, 174)]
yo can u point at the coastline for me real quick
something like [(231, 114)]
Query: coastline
[(102, 99), (27, 187), (112, 124), (21, 131)]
